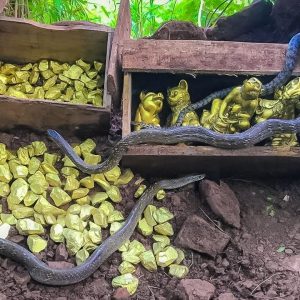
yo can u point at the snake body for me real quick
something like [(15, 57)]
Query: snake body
[(267, 89), (174, 135), (46, 275)]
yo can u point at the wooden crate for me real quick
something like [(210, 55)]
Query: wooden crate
[(24, 41), (216, 65)]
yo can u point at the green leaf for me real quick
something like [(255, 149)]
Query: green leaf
[(280, 249)]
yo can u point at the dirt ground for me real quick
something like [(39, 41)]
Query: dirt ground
[(251, 267)]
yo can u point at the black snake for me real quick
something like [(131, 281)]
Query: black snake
[(174, 135), (40, 272), (267, 89)]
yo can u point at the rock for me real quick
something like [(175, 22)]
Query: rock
[(226, 296), (176, 200), (61, 252), (17, 238), (297, 236), (2, 297), (222, 201), (60, 265), (100, 287), (62, 298), (248, 284), (260, 248), (288, 251), (272, 266), (198, 235), (246, 20), (225, 263), (197, 289), (22, 278), (121, 294), (284, 14), (292, 263)]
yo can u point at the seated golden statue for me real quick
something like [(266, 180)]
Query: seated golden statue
[(148, 110), (234, 113), (178, 99), (284, 106)]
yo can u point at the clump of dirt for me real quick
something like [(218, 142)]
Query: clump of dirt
[(254, 265)]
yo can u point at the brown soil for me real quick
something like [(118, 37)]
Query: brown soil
[(250, 266)]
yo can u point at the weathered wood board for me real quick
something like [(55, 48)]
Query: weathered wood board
[(122, 33), (24, 41), (254, 162), (41, 115), (214, 57)]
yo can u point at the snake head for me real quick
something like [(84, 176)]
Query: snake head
[(180, 182)]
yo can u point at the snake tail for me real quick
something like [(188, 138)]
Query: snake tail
[(42, 273)]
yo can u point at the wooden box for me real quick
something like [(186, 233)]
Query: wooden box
[(24, 41), (153, 65)]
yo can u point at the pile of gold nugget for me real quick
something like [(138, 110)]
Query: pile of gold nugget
[(44, 196), (80, 83)]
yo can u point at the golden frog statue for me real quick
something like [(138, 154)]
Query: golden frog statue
[(178, 99), (284, 106), (149, 108), (233, 114)]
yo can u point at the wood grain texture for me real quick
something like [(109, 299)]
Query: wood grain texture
[(180, 159), (126, 104), (204, 57), (43, 114), (23, 41), (122, 32)]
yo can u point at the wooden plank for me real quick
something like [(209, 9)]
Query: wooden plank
[(122, 32), (106, 95), (244, 163), (126, 104), (23, 41), (204, 57), (41, 115)]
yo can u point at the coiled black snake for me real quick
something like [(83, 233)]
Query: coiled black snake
[(44, 274)]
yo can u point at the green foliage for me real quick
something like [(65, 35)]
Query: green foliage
[(50, 11), (147, 15)]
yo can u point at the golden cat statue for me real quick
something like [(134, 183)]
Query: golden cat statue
[(178, 99), (149, 108)]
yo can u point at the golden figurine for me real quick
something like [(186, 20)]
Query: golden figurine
[(284, 106), (148, 110), (233, 114), (178, 99)]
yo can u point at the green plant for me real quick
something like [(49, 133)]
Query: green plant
[(147, 15)]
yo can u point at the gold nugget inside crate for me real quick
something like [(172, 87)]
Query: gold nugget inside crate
[(164, 76), (54, 76)]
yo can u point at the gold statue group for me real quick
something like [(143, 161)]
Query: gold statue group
[(235, 113)]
